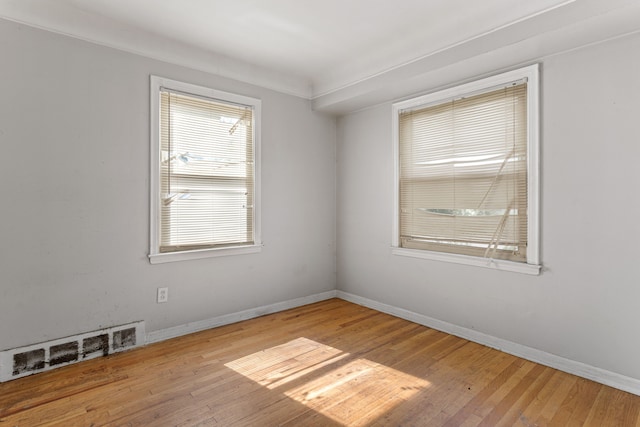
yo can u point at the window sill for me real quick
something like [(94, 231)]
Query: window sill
[(161, 258), (495, 264)]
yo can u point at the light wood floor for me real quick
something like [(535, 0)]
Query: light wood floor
[(327, 364)]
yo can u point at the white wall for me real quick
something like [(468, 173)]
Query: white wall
[(74, 182), (584, 306)]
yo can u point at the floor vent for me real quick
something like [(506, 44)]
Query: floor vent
[(20, 362)]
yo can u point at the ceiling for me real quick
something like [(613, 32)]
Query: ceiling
[(342, 54)]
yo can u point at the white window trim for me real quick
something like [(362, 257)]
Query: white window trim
[(532, 266), (155, 257)]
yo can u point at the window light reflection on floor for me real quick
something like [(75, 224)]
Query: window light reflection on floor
[(328, 381)]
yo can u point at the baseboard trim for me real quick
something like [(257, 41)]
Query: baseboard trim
[(189, 328), (580, 369)]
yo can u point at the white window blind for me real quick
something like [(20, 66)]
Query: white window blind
[(206, 173), (463, 175)]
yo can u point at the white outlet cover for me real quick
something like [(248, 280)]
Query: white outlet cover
[(163, 295)]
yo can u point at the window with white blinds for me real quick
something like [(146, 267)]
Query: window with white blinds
[(205, 185), (464, 171)]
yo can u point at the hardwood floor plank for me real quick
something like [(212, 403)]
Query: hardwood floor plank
[(552, 406), (484, 393), (576, 406), (332, 363), (537, 405), (511, 409)]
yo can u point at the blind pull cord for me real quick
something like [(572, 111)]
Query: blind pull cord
[(497, 235), (497, 177)]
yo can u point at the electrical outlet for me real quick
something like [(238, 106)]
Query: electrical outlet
[(163, 294)]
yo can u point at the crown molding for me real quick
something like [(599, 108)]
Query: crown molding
[(568, 26), (61, 19), (561, 30)]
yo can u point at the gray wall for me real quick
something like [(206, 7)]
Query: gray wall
[(584, 306), (74, 230), (74, 182)]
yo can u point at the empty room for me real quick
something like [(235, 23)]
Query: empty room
[(338, 213)]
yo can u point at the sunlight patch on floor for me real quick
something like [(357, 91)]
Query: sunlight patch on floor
[(282, 364), (327, 380)]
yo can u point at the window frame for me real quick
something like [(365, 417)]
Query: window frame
[(155, 256), (531, 74)]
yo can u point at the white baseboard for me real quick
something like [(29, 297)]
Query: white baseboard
[(189, 328), (622, 382), (628, 384)]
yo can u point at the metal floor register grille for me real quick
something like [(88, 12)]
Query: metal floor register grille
[(32, 359)]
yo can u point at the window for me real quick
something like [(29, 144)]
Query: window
[(467, 173), (204, 172)]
